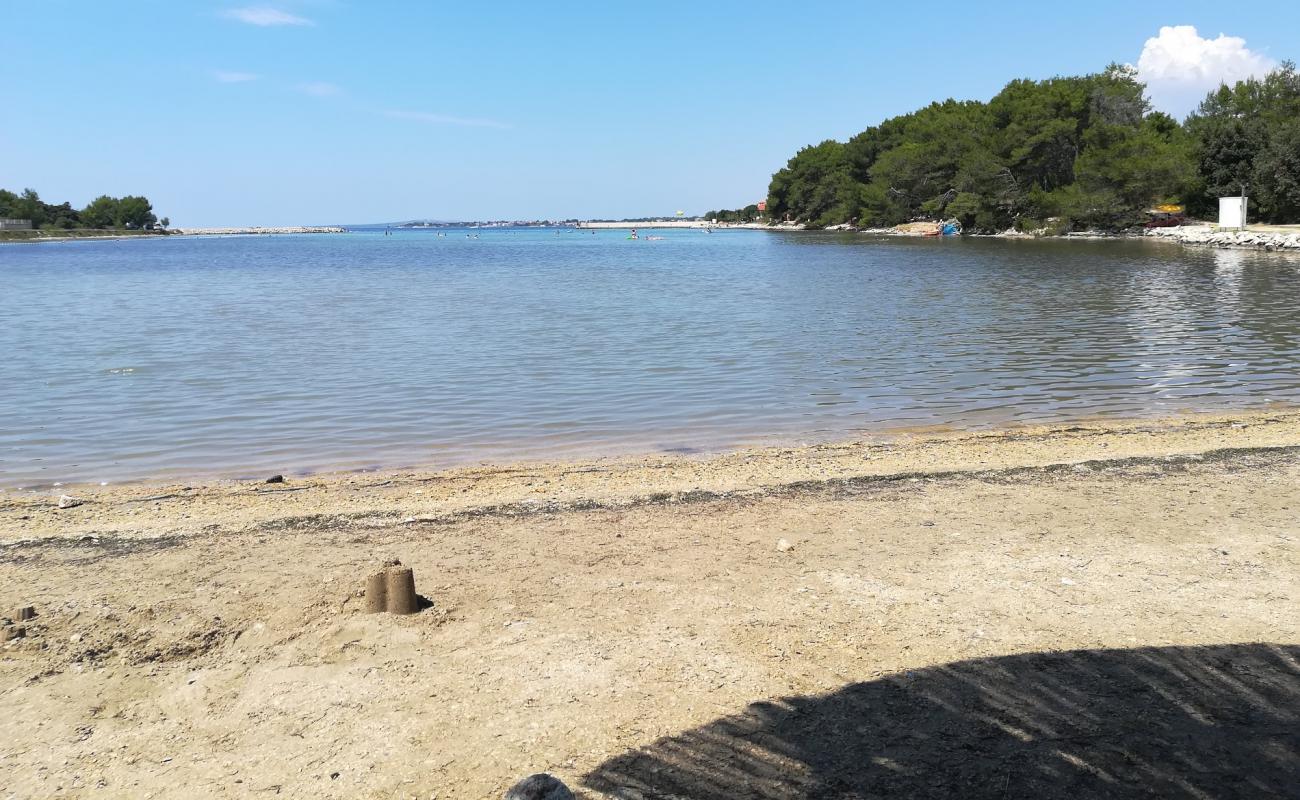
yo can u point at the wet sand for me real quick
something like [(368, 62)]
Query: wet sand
[(1056, 611)]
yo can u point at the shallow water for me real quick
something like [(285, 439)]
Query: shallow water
[(129, 360)]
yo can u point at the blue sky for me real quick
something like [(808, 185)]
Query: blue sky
[(320, 111)]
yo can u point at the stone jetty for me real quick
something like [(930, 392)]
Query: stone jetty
[(258, 230), (1211, 236)]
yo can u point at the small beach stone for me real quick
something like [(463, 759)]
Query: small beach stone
[(784, 546), (539, 787), (25, 613), (68, 501), (275, 479)]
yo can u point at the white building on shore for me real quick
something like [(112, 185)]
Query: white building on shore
[(1232, 212)]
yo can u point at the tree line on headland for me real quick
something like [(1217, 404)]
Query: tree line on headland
[(749, 213), (130, 212), (1054, 155)]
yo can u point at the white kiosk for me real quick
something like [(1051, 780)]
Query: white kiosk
[(1232, 212)]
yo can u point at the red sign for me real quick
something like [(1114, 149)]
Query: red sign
[(762, 205)]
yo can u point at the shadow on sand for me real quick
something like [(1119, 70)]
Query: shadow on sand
[(1195, 722)]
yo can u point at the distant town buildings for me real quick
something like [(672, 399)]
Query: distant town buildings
[(15, 224)]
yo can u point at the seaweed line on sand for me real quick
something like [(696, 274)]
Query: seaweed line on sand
[(1132, 468)]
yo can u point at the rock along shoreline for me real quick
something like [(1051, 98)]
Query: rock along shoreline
[(256, 231), (1209, 236), (1199, 235)]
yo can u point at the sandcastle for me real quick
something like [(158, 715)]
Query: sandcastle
[(392, 589)]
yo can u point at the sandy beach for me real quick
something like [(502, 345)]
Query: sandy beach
[(767, 623), (687, 413)]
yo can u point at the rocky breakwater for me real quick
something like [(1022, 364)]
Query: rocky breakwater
[(1214, 237), (257, 230)]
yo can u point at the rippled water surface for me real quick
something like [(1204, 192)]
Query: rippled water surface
[(241, 356)]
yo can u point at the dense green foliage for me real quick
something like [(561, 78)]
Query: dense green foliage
[(1057, 154), (102, 212), (1248, 137), (749, 213)]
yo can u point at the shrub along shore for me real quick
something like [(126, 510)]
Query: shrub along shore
[(118, 214)]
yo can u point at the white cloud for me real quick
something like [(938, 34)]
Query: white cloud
[(1180, 68), (443, 119), (234, 77), (319, 89), (265, 17)]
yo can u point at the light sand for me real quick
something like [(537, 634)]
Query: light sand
[(210, 641)]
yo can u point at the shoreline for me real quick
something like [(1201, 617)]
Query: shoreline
[(689, 224), (754, 445), (1258, 237), (1255, 238), (596, 620), (97, 237), (184, 232), (405, 495)]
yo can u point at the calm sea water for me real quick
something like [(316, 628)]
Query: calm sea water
[(250, 355)]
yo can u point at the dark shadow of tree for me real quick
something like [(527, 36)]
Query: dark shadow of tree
[(1194, 722)]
